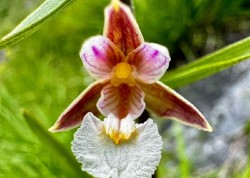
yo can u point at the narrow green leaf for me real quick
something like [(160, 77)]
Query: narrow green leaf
[(209, 65), (34, 21), (234, 50), (199, 72), (65, 157), (185, 164)]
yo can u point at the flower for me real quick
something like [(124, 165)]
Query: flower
[(127, 70), (102, 157)]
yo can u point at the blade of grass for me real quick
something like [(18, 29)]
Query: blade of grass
[(209, 64), (234, 50), (53, 145), (34, 21), (184, 162), (198, 72)]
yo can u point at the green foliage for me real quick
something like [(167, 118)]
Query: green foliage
[(210, 64), (191, 28), (183, 160), (65, 158), (246, 172), (43, 73), (34, 21)]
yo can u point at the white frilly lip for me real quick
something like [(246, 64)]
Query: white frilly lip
[(102, 157)]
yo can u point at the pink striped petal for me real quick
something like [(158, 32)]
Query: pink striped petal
[(121, 27), (84, 103), (165, 102), (99, 55), (121, 101), (150, 60)]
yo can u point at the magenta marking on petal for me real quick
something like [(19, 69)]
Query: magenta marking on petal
[(155, 53), (99, 55), (158, 67), (84, 56), (150, 61), (163, 63), (95, 50), (99, 69)]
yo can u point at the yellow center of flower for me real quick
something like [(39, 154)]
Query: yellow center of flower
[(119, 137), (123, 70), (123, 74), (119, 130)]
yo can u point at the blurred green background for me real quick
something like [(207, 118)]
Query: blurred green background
[(44, 73)]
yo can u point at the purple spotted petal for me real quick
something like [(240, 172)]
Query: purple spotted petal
[(99, 55), (150, 60), (121, 101)]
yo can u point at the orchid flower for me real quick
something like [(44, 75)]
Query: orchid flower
[(127, 70)]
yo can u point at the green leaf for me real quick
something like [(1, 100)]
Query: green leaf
[(185, 164), (209, 65), (65, 158), (34, 21)]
